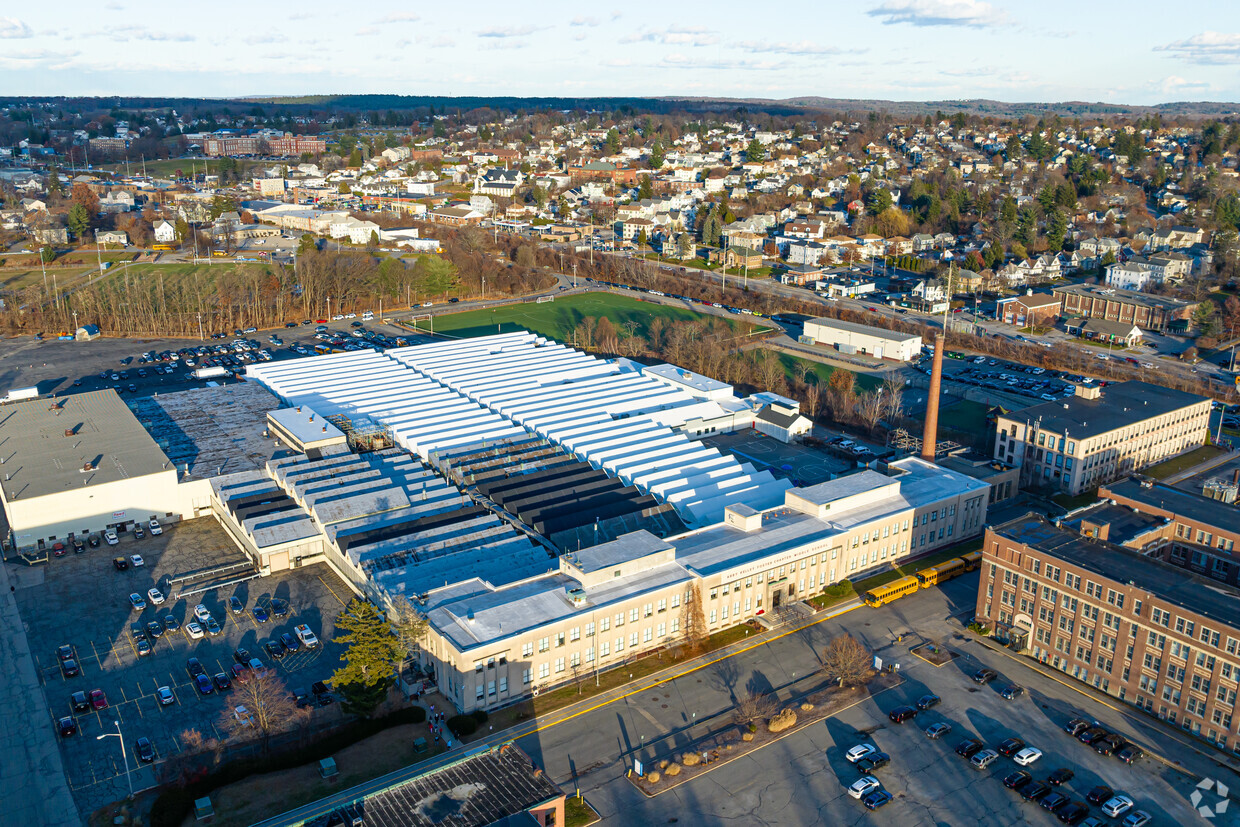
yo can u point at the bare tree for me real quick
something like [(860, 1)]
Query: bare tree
[(753, 707), (893, 397), (693, 621), (261, 707), (847, 661), (870, 409)]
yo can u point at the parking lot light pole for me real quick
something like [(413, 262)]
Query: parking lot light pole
[(124, 754)]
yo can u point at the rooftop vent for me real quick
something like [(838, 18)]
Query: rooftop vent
[(576, 596), (469, 615), (88, 466)]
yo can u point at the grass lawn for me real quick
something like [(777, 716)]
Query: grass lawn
[(823, 372), (175, 273), (965, 416), (578, 813), (1183, 462), (1101, 345), (844, 590), (557, 319), (169, 166)]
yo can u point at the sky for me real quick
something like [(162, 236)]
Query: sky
[(1135, 52)]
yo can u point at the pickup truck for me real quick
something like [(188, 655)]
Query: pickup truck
[(306, 636)]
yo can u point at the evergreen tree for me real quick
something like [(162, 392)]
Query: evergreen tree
[(1056, 228), (657, 155), (371, 655), (878, 202), (79, 220), (54, 186), (613, 141), (644, 188)]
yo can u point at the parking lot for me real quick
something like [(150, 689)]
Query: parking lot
[(803, 465), (82, 600)]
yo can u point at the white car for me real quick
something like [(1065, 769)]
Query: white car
[(1138, 818), (243, 717), (202, 613), (863, 785), (1027, 756), (156, 596), (110, 537), (155, 527), (860, 751), (136, 560), (165, 696), (194, 630), (1117, 805)]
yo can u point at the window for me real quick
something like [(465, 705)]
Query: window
[(525, 676), (648, 610), (559, 665), (675, 625), (574, 634), (491, 688), (662, 630), (647, 634), (663, 604), (478, 691), (527, 650), (619, 620), (633, 615), (559, 639), (590, 654), (503, 683), (477, 666), (544, 643), (590, 629), (714, 616), (544, 671), (632, 639), (605, 624), (675, 601), (604, 649), (574, 660)]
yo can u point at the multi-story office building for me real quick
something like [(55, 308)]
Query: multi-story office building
[(623, 599), (1151, 634), (1146, 310), (1099, 435)]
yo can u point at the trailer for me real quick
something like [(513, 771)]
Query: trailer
[(16, 394), (210, 373)]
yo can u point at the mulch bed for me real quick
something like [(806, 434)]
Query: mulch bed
[(934, 653), (727, 742)]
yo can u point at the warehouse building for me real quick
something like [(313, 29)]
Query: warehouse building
[(1151, 634), (1100, 435), (78, 465), (1145, 310), (849, 337)]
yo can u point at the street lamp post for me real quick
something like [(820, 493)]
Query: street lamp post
[(124, 753)]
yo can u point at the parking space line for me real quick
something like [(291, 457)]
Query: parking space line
[(333, 591)]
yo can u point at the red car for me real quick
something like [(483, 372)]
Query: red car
[(98, 700), (58, 550)]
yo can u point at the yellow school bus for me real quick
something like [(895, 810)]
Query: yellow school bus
[(892, 591), (940, 573)]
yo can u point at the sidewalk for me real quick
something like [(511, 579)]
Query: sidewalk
[(33, 786), (551, 719)]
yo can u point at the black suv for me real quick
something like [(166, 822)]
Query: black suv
[(1053, 801), (1099, 795), (901, 714), (1010, 747), (1109, 744), (1017, 780), (1092, 735), (874, 761), (1035, 791), (1073, 812), (968, 748), (1076, 726), (1060, 776), (927, 701)]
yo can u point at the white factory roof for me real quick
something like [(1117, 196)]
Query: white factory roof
[(305, 426), (442, 396)]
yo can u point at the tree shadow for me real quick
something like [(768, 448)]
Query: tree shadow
[(759, 684), (724, 676)]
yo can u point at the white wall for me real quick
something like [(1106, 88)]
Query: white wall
[(91, 509)]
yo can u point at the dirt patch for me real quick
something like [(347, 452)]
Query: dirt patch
[(935, 654), (731, 741)]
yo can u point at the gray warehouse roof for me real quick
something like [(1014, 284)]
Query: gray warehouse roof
[(1118, 406), (864, 329), (45, 444)]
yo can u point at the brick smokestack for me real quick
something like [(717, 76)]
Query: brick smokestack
[(929, 438)]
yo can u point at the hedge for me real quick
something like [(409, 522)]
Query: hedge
[(174, 804), (462, 725)]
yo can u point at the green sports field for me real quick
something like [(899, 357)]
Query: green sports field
[(557, 319)]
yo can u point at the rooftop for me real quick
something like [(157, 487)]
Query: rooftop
[(305, 426), (1118, 406), (1208, 598), (624, 549), (47, 444), (1178, 502), (691, 380), (1120, 295), (863, 329)]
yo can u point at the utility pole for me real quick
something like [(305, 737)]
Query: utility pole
[(201, 337), (575, 287), (124, 754)]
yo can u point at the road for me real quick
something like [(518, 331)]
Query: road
[(800, 780)]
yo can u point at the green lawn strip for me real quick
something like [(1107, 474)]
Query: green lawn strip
[(1183, 462), (557, 319), (1074, 502), (822, 372), (578, 813)]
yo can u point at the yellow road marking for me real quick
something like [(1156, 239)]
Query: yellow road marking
[(333, 591)]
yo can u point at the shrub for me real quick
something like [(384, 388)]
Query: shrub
[(806, 706), (747, 737), (672, 770), (654, 777), (479, 715), (784, 719), (663, 764), (691, 759), (979, 628), (840, 589), (462, 725)]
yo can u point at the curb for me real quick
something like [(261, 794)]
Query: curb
[(780, 737)]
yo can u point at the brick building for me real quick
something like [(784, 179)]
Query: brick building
[(1150, 634), (1146, 311), (1030, 310), (1098, 436), (285, 145)]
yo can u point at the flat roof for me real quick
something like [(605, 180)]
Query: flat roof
[(865, 330), (1205, 597), (1098, 291), (45, 443), (625, 548), (1117, 406), (305, 426), (688, 378), (841, 487), (1191, 506), (1125, 525)]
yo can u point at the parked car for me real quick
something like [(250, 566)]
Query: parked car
[(240, 673), (165, 696), (279, 608), (171, 624), (1099, 795), (927, 701), (260, 614), (64, 653), (194, 630), (863, 785), (235, 605), (1010, 746), (1053, 801), (69, 668), (136, 560), (68, 727), (1117, 805), (1011, 692), (1076, 726), (79, 702), (289, 642), (901, 714), (137, 602), (968, 748), (98, 700), (1027, 756), (120, 563), (156, 596), (860, 751), (1138, 819), (155, 629), (110, 537), (1016, 780), (1072, 813), (876, 799), (1130, 754), (155, 527), (194, 667), (874, 761), (1034, 791), (222, 681), (984, 676), (1109, 744), (983, 759), (213, 628), (936, 731), (1092, 734), (204, 684), (202, 613), (1060, 776), (144, 749), (257, 668)]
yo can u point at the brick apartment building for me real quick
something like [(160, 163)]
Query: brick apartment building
[(1030, 310), (1153, 635), (1146, 311), (285, 145), (1098, 436)]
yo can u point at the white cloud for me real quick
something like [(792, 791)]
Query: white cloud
[(1175, 85), (804, 47), (584, 21), (368, 31), (675, 36), (1207, 48), (273, 37), (12, 28), (30, 58), (507, 31), (677, 60), (579, 36), (968, 13), (400, 17), (124, 33)]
